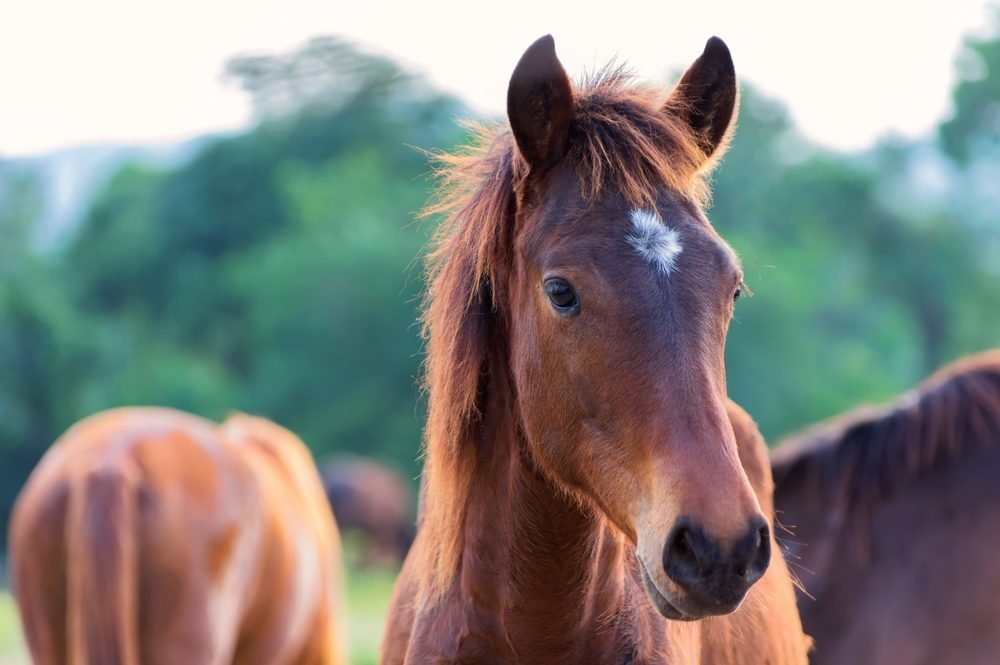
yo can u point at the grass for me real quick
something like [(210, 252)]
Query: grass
[(12, 651), (368, 593)]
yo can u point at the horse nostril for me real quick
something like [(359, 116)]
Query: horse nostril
[(762, 556), (711, 573), (684, 544), (688, 555), (752, 555)]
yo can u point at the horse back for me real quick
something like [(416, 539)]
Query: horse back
[(899, 589)]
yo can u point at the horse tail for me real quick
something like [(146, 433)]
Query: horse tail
[(103, 596)]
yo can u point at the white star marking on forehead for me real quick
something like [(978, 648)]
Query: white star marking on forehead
[(653, 240)]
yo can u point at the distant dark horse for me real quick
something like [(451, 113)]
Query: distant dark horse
[(590, 495), (150, 536), (896, 516), (374, 500)]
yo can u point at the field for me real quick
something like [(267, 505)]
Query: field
[(12, 650), (367, 596)]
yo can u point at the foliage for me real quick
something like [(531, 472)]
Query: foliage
[(974, 127), (276, 271), (856, 296)]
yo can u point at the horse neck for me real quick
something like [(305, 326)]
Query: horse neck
[(532, 555)]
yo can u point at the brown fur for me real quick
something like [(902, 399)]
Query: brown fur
[(152, 536), (542, 556), (553, 453), (894, 513)]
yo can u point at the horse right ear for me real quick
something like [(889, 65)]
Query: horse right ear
[(705, 97), (540, 105)]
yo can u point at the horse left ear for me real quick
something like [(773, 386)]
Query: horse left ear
[(540, 105), (705, 97)]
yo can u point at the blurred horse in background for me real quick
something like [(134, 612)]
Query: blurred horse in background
[(151, 536), (375, 501), (896, 519), (589, 493)]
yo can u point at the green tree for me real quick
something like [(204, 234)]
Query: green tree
[(40, 348), (275, 272), (974, 126)]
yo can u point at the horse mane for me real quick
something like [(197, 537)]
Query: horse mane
[(864, 457), (623, 138)]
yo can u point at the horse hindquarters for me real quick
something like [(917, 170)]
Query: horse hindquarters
[(102, 593), (74, 568), (38, 573)]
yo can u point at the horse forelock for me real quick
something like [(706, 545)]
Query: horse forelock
[(868, 455), (624, 141)]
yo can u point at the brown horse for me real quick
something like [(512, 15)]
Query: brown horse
[(896, 516), (152, 536), (586, 477), (374, 500)]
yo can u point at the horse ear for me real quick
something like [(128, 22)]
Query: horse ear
[(705, 97), (540, 105)]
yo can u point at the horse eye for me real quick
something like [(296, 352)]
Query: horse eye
[(561, 295), (740, 288)]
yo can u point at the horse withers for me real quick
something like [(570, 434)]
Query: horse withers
[(151, 536), (586, 496), (895, 513)]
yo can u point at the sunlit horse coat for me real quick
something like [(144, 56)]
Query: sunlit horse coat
[(148, 536)]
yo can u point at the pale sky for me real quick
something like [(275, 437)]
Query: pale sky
[(128, 71)]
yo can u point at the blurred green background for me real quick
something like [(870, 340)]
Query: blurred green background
[(277, 271)]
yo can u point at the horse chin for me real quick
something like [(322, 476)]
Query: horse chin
[(662, 605), (680, 609)]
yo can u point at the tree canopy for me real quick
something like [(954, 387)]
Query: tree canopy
[(277, 271)]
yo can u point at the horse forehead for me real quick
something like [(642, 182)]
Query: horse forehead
[(668, 235), (662, 242), (653, 240)]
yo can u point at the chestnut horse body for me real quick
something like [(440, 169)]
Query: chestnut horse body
[(590, 495), (152, 536), (895, 513)]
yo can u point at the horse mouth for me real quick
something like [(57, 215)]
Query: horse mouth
[(662, 605)]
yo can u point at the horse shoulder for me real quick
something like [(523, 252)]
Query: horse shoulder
[(418, 631), (753, 455), (766, 628), (400, 617)]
